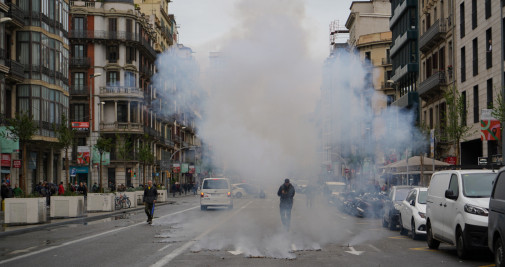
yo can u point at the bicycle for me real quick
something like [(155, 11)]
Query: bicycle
[(122, 202)]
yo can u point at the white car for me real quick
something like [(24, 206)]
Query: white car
[(413, 212), (216, 192), (457, 209)]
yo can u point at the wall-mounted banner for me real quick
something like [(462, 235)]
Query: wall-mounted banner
[(176, 168), (80, 126), (83, 155), (184, 168), (191, 169), (6, 160), (8, 145), (489, 126)]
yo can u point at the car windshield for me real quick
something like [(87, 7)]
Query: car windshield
[(478, 184), (422, 197), (401, 194), (215, 184)]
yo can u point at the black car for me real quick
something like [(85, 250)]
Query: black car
[(496, 227), (391, 215)]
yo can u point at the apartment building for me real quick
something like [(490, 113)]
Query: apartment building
[(34, 57), (478, 48), (437, 73), (164, 23)]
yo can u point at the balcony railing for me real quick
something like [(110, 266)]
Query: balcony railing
[(80, 62), (16, 68), (433, 35), (16, 14), (124, 127), (386, 61), (432, 85), (79, 90), (118, 91)]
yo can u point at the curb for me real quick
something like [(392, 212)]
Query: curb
[(74, 221)]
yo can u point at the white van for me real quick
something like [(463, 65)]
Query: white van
[(216, 192), (457, 209)]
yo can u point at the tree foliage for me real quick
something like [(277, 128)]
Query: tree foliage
[(65, 136), (146, 156), (456, 128), (103, 145), (22, 128)]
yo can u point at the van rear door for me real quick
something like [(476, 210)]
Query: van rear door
[(434, 204)]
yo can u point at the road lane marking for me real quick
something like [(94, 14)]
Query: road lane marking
[(349, 231), (163, 248), (398, 237), (374, 247), (490, 265), (293, 247), (86, 238), (22, 250), (423, 249), (354, 252), (165, 260)]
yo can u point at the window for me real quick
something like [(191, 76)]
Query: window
[(79, 112), (122, 112), (78, 81), (112, 53), (488, 8), (130, 54), (462, 20), (475, 62), (499, 190), (476, 104), (463, 111), (368, 56), (129, 79), (489, 102), (112, 28), (474, 14), (112, 78), (453, 185), (463, 64), (78, 51), (489, 49), (78, 25)]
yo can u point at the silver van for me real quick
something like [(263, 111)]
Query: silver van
[(216, 192)]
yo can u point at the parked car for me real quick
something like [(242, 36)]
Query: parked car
[(246, 190), (391, 214), (457, 209), (413, 212), (496, 220), (216, 192)]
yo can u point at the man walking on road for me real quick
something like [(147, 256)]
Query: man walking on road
[(286, 192), (150, 196)]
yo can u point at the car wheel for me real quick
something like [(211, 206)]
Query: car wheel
[(499, 253), (413, 229), (432, 243), (238, 195), (460, 245), (203, 207), (403, 231)]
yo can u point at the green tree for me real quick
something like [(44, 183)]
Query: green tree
[(65, 136), (124, 149), (145, 156), (456, 128), (103, 145), (23, 128)]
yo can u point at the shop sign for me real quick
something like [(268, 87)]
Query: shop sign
[(450, 160), (6, 160), (191, 169), (176, 168), (16, 163), (184, 168), (80, 126), (83, 155)]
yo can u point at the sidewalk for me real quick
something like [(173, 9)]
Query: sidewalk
[(8, 230)]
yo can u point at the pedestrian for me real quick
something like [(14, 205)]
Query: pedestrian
[(150, 196), (286, 193), (45, 191), (174, 189), (18, 192), (95, 188), (61, 189), (4, 191)]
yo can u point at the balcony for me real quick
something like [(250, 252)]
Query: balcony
[(386, 61), (400, 72), (432, 87), (432, 36), (16, 14), (16, 71), (402, 40), (408, 100), (79, 90), (80, 62), (399, 10), (122, 127), (121, 92), (169, 142)]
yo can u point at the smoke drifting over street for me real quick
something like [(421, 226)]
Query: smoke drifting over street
[(260, 114)]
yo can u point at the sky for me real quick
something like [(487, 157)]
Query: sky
[(204, 24)]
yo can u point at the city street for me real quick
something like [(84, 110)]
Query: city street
[(248, 235)]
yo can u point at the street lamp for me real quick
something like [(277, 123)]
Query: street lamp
[(91, 76)]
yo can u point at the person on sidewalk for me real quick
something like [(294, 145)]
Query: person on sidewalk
[(286, 192), (61, 189), (150, 196), (18, 192)]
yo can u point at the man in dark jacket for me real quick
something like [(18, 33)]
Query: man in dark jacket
[(286, 192), (150, 196)]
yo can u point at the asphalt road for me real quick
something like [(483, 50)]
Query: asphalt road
[(248, 235)]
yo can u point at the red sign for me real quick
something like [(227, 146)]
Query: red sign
[(451, 160), (191, 169), (16, 163), (80, 126), (176, 168), (490, 130), (346, 170), (6, 160)]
